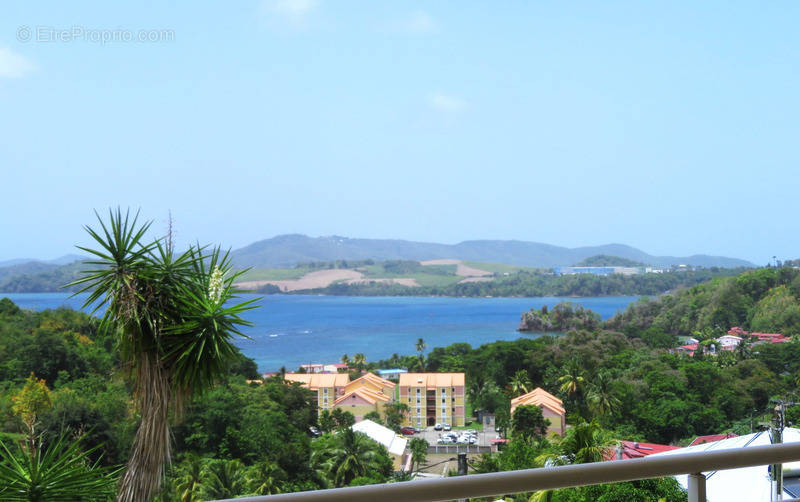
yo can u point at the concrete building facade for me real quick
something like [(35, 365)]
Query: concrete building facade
[(433, 398)]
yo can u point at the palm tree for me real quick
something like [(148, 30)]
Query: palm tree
[(345, 359), (353, 455), (189, 479), (572, 381), (359, 360), (223, 479), (520, 383), (174, 324), (600, 396), (420, 346), (265, 478)]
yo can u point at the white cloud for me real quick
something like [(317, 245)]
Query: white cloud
[(13, 65), (446, 103), (419, 22), (291, 11)]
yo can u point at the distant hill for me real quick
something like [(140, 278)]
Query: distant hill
[(289, 250), (604, 260)]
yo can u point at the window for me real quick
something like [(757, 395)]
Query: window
[(324, 390), (443, 400)]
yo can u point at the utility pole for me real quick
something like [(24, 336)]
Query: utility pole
[(776, 437)]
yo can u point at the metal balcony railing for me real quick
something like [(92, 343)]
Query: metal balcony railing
[(529, 480)]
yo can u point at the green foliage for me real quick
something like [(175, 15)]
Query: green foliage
[(347, 455), (562, 317), (528, 423), (56, 471), (604, 260), (532, 283)]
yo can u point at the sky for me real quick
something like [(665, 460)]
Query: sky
[(668, 126)]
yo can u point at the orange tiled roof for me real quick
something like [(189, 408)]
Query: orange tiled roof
[(432, 380), (539, 397), (366, 394), (370, 379), (318, 380)]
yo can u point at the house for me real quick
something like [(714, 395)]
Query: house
[(373, 383), (393, 373), (433, 398), (361, 401), (688, 349), (635, 449), (729, 342), (364, 394), (328, 386), (334, 368), (711, 438), (396, 445), (746, 483), (312, 368), (760, 337), (551, 406)]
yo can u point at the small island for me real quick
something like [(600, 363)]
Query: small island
[(563, 317)]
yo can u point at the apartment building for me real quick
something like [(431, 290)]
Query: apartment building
[(328, 386), (433, 398)]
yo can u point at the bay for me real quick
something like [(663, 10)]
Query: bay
[(290, 330)]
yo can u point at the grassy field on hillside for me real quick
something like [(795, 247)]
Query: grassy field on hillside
[(274, 274)]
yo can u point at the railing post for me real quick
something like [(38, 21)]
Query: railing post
[(697, 487)]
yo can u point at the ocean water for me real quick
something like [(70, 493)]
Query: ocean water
[(291, 330)]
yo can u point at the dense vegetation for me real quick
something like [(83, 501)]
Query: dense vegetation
[(533, 284), (563, 317), (261, 447), (604, 260), (617, 381), (766, 300)]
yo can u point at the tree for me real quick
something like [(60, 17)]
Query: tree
[(528, 423), (360, 360), (174, 321), (345, 359), (348, 455), (420, 347), (419, 452), (600, 396), (223, 479), (395, 412), (29, 403), (572, 381), (520, 383), (374, 416), (342, 419), (189, 479), (57, 471), (265, 478)]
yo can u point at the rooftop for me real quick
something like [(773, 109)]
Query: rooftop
[(432, 380)]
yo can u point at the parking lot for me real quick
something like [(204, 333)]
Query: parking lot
[(484, 437)]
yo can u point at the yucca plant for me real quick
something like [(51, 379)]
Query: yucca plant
[(56, 471), (174, 323)]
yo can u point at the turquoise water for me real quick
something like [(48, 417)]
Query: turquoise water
[(292, 329)]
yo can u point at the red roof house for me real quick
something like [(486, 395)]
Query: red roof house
[(635, 449), (711, 438)]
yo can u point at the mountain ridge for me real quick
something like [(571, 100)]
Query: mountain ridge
[(287, 250)]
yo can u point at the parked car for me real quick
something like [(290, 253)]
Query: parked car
[(314, 431), (417, 429), (446, 427), (407, 431), (446, 440), (438, 427)]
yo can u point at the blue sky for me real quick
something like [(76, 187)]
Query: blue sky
[(669, 126)]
